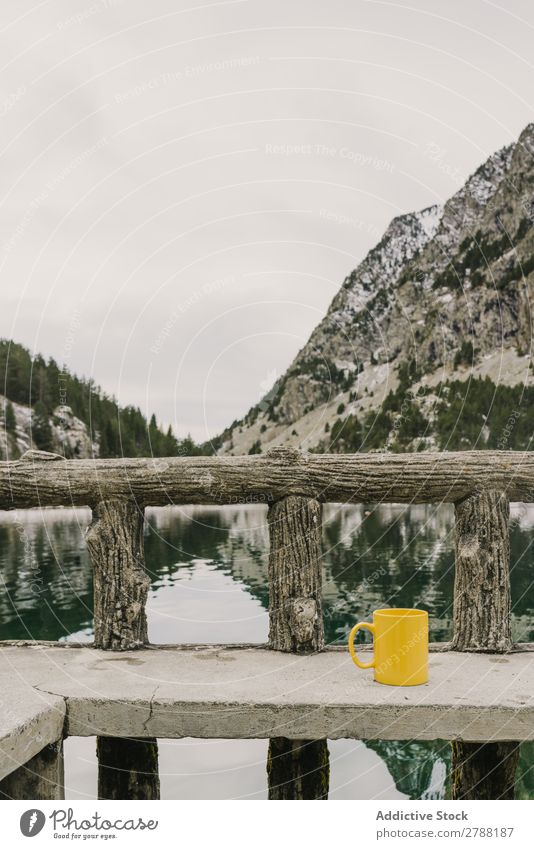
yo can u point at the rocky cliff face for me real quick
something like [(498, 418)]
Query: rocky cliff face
[(448, 290), (70, 436)]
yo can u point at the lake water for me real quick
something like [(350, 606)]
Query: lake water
[(208, 570)]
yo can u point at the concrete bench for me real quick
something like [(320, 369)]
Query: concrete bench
[(253, 692)]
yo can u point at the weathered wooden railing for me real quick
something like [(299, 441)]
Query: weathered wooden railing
[(294, 485)]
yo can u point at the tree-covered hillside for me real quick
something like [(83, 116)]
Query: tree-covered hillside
[(45, 386), (453, 416)]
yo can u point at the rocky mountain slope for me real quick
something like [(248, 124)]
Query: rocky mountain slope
[(69, 435), (441, 305)]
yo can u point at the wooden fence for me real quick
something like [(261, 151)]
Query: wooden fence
[(294, 485)]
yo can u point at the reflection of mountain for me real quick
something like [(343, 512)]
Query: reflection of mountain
[(525, 773), (375, 556), (420, 770), (388, 555), (396, 556), (47, 577), (234, 539)]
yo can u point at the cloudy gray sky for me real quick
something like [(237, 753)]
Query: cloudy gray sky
[(184, 186)]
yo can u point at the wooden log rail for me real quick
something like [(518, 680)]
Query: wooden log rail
[(294, 485), (41, 479)]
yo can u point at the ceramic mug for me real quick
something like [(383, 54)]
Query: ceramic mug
[(400, 655)]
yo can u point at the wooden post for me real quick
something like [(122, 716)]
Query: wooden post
[(115, 543), (296, 769), (482, 607), (42, 777), (127, 769), (484, 770), (482, 622), (295, 606)]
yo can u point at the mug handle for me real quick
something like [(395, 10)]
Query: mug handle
[(353, 654)]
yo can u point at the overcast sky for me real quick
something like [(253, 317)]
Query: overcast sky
[(183, 190)]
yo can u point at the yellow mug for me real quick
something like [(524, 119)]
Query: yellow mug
[(400, 646)]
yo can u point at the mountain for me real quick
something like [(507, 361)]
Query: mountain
[(47, 407), (428, 342), (62, 432)]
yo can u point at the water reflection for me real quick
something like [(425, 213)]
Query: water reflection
[(47, 581), (208, 570)]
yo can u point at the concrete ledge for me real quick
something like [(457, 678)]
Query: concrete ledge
[(29, 719), (255, 693)]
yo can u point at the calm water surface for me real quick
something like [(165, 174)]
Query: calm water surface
[(208, 570)]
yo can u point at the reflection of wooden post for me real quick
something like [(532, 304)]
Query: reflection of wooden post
[(127, 769), (482, 622), (42, 777), (297, 769)]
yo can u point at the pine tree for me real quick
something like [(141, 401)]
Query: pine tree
[(120, 431), (9, 417), (41, 431)]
